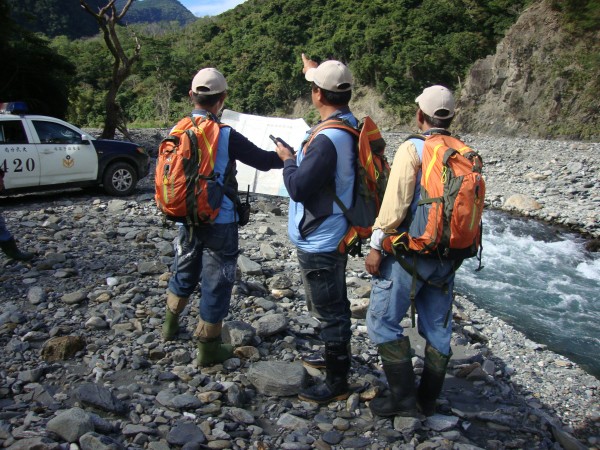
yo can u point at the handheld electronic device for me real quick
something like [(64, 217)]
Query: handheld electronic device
[(279, 140)]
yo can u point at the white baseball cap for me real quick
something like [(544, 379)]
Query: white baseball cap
[(437, 102), (209, 81), (330, 75)]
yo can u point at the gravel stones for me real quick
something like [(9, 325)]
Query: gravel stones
[(113, 256)]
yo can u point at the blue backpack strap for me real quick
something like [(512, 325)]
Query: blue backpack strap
[(418, 141)]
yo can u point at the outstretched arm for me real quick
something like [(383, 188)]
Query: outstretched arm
[(241, 149), (308, 63)]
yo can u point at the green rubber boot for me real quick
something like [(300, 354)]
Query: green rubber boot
[(213, 352), (170, 326), (175, 305)]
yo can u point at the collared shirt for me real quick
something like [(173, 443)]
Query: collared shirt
[(403, 189), (316, 223), (399, 193)]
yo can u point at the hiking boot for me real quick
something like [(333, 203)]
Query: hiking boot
[(432, 380), (335, 387), (10, 249), (213, 352), (397, 365)]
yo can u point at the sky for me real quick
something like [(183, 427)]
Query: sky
[(209, 7)]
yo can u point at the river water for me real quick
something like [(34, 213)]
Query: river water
[(541, 281)]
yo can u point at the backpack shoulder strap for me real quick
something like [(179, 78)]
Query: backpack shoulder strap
[(335, 122), (181, 126), (418, 141), (340, 124)]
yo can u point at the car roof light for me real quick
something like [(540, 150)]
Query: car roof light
[(14, 108)]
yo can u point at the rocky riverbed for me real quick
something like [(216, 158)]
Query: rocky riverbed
[(83, 364)]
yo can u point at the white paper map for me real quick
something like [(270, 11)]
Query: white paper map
[(257, 129)]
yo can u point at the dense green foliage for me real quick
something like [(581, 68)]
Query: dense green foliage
[(396, 46), (32, 70), (53, 18), (579, 16)]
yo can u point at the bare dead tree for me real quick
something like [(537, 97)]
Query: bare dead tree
[(108, 18)]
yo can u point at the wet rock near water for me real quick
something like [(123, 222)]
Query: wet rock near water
[(95, 296)]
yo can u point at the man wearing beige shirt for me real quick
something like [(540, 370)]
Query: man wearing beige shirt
[(392, 284)]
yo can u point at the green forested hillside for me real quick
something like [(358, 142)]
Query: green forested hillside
[(53, 18), (153, 11), (395, 46)]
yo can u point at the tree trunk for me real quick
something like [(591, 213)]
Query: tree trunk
[(111, 120), (107, 19)]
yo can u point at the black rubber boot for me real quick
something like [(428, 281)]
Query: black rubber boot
[(335, 387), (432, 380), (397, 365), (10, 249), (315, 360)]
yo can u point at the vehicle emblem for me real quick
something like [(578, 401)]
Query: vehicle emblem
[(68, 162)]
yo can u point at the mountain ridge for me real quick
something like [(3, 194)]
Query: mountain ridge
[(55, 17)]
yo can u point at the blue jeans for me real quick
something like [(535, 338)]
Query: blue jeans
[(4, 233), (207, 254), (390, 301), (324, 278)]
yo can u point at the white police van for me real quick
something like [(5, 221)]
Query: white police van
[(44, 153)]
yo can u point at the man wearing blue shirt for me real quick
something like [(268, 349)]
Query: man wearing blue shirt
[(209, 251), (322, 169)]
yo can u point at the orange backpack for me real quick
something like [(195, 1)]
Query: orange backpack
[(186, 187), (447, 221), (371, 179)]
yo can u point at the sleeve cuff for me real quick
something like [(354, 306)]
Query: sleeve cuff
[(377, 239)]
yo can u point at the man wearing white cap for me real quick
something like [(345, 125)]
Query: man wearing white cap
[(323, 168), (209, 251), (392, 284)]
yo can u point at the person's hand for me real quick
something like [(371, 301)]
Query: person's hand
[(308, 63), (283, 152), (373, 261)]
